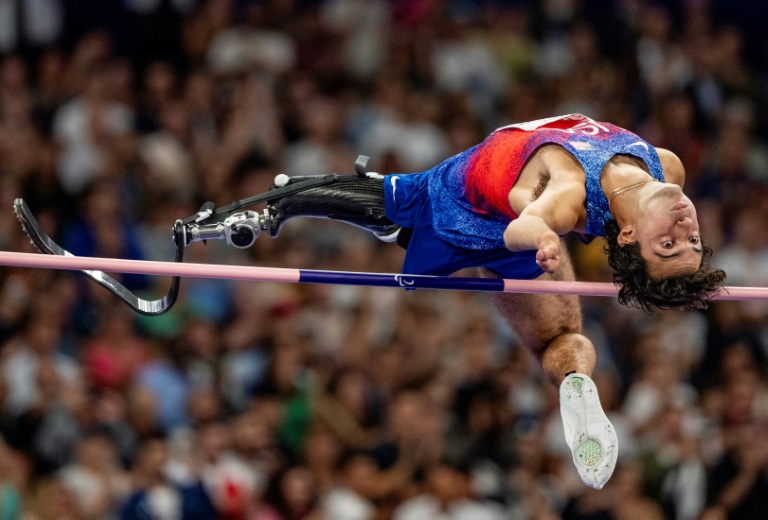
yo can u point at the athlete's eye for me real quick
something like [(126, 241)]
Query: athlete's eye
[(667, 244), (695, 240)]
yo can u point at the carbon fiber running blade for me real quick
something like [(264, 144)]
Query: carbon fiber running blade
[(45, 244)]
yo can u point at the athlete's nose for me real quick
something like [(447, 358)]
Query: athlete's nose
[(685, 223)]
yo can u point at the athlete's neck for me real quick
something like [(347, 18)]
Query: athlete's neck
[(626, 179)]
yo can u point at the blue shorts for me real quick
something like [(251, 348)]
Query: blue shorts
[(408, 204)]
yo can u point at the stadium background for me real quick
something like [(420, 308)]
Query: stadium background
[(266, 401)]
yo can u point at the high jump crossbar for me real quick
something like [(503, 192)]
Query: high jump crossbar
[(288, 275)]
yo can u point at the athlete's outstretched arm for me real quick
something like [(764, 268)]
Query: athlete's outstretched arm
[(541, 223)]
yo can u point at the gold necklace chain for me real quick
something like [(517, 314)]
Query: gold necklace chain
[(621, 191)]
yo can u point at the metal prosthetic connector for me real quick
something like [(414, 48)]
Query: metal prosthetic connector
[(239, 230)]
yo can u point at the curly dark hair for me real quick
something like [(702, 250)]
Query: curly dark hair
[(638, 289)]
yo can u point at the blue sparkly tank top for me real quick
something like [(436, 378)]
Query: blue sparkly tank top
[(469, 191)]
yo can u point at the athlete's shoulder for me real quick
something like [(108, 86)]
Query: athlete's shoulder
[(555, 158), (674, 170)]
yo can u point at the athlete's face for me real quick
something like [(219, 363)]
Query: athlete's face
[(667, 229)]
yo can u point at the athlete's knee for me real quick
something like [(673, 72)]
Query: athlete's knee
[(566, 334), (566, 353)]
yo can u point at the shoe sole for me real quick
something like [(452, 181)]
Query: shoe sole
[(595, 446), (589, 452)]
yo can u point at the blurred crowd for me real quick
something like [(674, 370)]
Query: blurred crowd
[(262, 401)]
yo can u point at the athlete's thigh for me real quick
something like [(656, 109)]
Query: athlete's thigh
[(538, 318)]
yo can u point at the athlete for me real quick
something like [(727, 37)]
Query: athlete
[(503, 206)]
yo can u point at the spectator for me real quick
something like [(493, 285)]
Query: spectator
[(156, 496), (94, 477), (449, 495), (85, 126), (352, 498), (739, 479), (12, 481), (30, 25), (37, 345), (230, 481), (293, 495), (115, 353)]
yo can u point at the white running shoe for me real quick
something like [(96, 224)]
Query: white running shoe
[(588, 432)]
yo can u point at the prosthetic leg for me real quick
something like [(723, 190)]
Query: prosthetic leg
[(356, 200)]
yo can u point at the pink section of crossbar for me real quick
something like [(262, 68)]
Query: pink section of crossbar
[(608, 289), (114, 265), (278, 274), (552, 287)]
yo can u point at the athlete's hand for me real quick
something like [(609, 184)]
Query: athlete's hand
[(548, 255)]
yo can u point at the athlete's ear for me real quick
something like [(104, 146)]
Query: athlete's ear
[(626, 235)]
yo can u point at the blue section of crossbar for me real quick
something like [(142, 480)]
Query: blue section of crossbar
[(406, 281)]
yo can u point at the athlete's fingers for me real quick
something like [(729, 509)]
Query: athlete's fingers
[(549, 265), (548, 258), (548, 251)]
